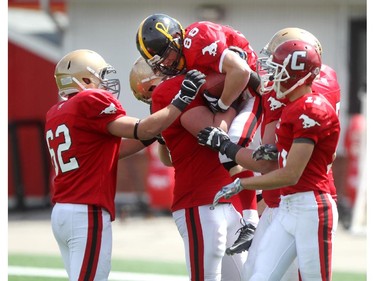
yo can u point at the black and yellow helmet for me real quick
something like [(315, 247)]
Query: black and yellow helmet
[(159, 40)]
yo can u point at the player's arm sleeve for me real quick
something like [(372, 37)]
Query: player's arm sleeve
[(101, 109), (312, 130)]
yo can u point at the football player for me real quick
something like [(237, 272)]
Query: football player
[(84, 135), (307, 135), (206, 233), (208, 46), (325, 84)]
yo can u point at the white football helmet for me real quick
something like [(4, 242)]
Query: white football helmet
[(143, 80), (83, 69)]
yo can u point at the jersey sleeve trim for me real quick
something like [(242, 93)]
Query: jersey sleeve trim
[(222, 60), (304, 140)]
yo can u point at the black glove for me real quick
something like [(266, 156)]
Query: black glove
[(214, 137), (210, 99), (212, 102), (266, 152), (194, 79), (148, 142), (215, 104), (218, 140)]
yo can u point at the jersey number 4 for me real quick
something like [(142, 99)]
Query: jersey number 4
[(69, 165)]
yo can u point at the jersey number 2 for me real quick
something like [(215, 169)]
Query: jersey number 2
[(70, 165)]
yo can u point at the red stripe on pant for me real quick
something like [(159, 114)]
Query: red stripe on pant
[(94, 239), (196, 246), (325, 234)]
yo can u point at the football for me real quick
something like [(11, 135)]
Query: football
[(214, 84)]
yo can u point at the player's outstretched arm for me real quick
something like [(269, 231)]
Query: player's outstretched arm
[(149, 127), (227, 192), (218, 140)]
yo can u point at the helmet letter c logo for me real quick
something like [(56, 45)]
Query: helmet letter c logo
[(295, 65)]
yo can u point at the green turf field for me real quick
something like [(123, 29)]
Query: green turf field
[(136, 266)]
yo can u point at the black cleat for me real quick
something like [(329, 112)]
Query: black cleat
[(243, 241)]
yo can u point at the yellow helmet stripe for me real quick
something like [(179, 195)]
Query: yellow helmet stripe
[(141, 43), (182, 30)]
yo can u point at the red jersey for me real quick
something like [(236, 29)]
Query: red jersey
[(325, 84), (199, 175), (205, 45), (83, 152), (313, 117)]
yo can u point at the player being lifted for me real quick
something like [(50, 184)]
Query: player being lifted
[(198, 176), (208, 47)]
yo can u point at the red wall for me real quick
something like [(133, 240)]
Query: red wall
[(31, 92)]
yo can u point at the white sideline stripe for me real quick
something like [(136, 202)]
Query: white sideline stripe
[(113, 276)]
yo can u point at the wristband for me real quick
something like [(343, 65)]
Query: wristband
[(229, 165), (231, 150), (148, 142), (222, 105), (160, 140), (135, 132), (254, 82)]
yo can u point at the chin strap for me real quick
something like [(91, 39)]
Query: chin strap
[(300, 82)]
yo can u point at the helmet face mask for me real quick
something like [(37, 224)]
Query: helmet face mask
[(269, 72), (83, 69), (159, 40), (110, 85), (170, 63)]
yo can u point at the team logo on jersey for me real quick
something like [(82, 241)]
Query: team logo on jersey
[(308, 122), (274, 103), (211, 49), (111, 109)]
